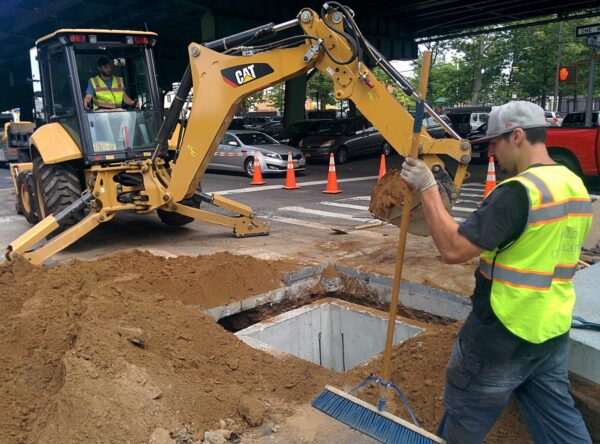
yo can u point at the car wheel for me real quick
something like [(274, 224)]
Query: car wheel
[(568, 161), (249, 167), (341, 155), (386, 149)]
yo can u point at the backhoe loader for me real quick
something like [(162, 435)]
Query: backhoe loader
[(88, 166)]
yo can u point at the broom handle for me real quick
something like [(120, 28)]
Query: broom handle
[(407, 203)]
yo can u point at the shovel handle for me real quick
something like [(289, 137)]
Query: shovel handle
[(416, 138)]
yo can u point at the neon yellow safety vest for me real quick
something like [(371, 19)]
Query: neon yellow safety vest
[(105, 97), (532, 291)]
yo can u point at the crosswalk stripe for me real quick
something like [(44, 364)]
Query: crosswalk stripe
[(343, 205), (468, 200), (357, 198), (471, 195), (326, 214), (463, 209)]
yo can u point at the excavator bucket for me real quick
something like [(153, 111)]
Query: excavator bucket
[(388, 195)]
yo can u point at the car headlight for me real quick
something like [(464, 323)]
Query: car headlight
[(273, 156), (328, 144)]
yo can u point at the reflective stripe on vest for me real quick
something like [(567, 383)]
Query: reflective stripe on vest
[(532, 292), (105, 97)]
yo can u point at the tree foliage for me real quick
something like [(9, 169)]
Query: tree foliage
[(492, 68)]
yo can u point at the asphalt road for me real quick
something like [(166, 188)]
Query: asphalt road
[(309, 207)]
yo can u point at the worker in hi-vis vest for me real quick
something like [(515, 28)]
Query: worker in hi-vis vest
[(528, 234), (106, 91)]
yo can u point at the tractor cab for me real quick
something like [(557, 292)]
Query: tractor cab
[(108, 130)]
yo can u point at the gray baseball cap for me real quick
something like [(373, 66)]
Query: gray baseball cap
[(512, 115)]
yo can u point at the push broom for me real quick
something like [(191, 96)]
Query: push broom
[(356, 413)]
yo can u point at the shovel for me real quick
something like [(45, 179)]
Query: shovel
[(359, 227)]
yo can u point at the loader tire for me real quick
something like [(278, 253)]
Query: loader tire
[(176, 219), (57, 186), (26, 198)]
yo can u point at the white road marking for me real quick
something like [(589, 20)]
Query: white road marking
[(464, 209), (343, 205), (326, 214), (471, 195), (475, 201), (473, 186), (289, 220), (358, 198), (279, 187), (11, 219)]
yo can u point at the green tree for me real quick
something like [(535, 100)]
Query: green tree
[(319, 89), (275, 96)]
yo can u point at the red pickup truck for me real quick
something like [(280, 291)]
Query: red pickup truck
[(575, 145)]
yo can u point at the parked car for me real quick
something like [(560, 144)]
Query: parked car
[(296, 131), (237, 123), (468, 118), (434, 129), (554, 118), (345, 138), (479, 150), (255, 122), (273, 129), (236, 153), (575, 145)]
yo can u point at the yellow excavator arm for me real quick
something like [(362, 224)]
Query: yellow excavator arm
[(221, 82), (223, 73)]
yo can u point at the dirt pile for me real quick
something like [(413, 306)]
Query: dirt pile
[(89, 352), (418, 368), (106, 351)]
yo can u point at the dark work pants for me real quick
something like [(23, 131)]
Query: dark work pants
[(476, 395)]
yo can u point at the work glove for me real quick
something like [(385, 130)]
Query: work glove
[(417, 174)]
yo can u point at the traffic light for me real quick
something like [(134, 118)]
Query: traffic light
[(568, 74)]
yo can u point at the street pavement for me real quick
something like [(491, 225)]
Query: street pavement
[(309, 207)]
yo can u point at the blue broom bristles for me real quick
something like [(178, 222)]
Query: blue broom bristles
[(367, 421)]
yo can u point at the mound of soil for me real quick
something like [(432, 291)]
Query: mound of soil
[(110, 351)]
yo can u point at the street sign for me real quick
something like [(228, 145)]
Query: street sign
[(582, 31), (593, 41)]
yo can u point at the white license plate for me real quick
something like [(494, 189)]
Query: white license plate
[(102, 147)]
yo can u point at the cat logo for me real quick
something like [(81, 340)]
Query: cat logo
[(242, 74)]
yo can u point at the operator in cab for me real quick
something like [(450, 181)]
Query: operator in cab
[(106, 91)]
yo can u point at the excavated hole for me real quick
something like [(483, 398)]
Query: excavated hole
[(245, 319), (330, 332)]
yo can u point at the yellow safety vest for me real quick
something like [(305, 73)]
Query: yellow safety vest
[(105, 97), (532, 291)]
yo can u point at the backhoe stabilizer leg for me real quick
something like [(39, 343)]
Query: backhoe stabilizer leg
[(244, 225), (24, 243)]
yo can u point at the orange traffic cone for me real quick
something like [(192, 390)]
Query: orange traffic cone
[(490, 181), (290, 177), (332, 187), (257, 173), (382, 169)]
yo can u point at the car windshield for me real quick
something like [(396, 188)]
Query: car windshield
[(255, 139), (331, 128)]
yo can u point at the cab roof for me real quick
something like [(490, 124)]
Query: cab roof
[(95, 31)]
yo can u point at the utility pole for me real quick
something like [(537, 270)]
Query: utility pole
[(558, 57), (593, 43), (592, 32)]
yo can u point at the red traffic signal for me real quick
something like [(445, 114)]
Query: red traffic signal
[(568, 74)]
